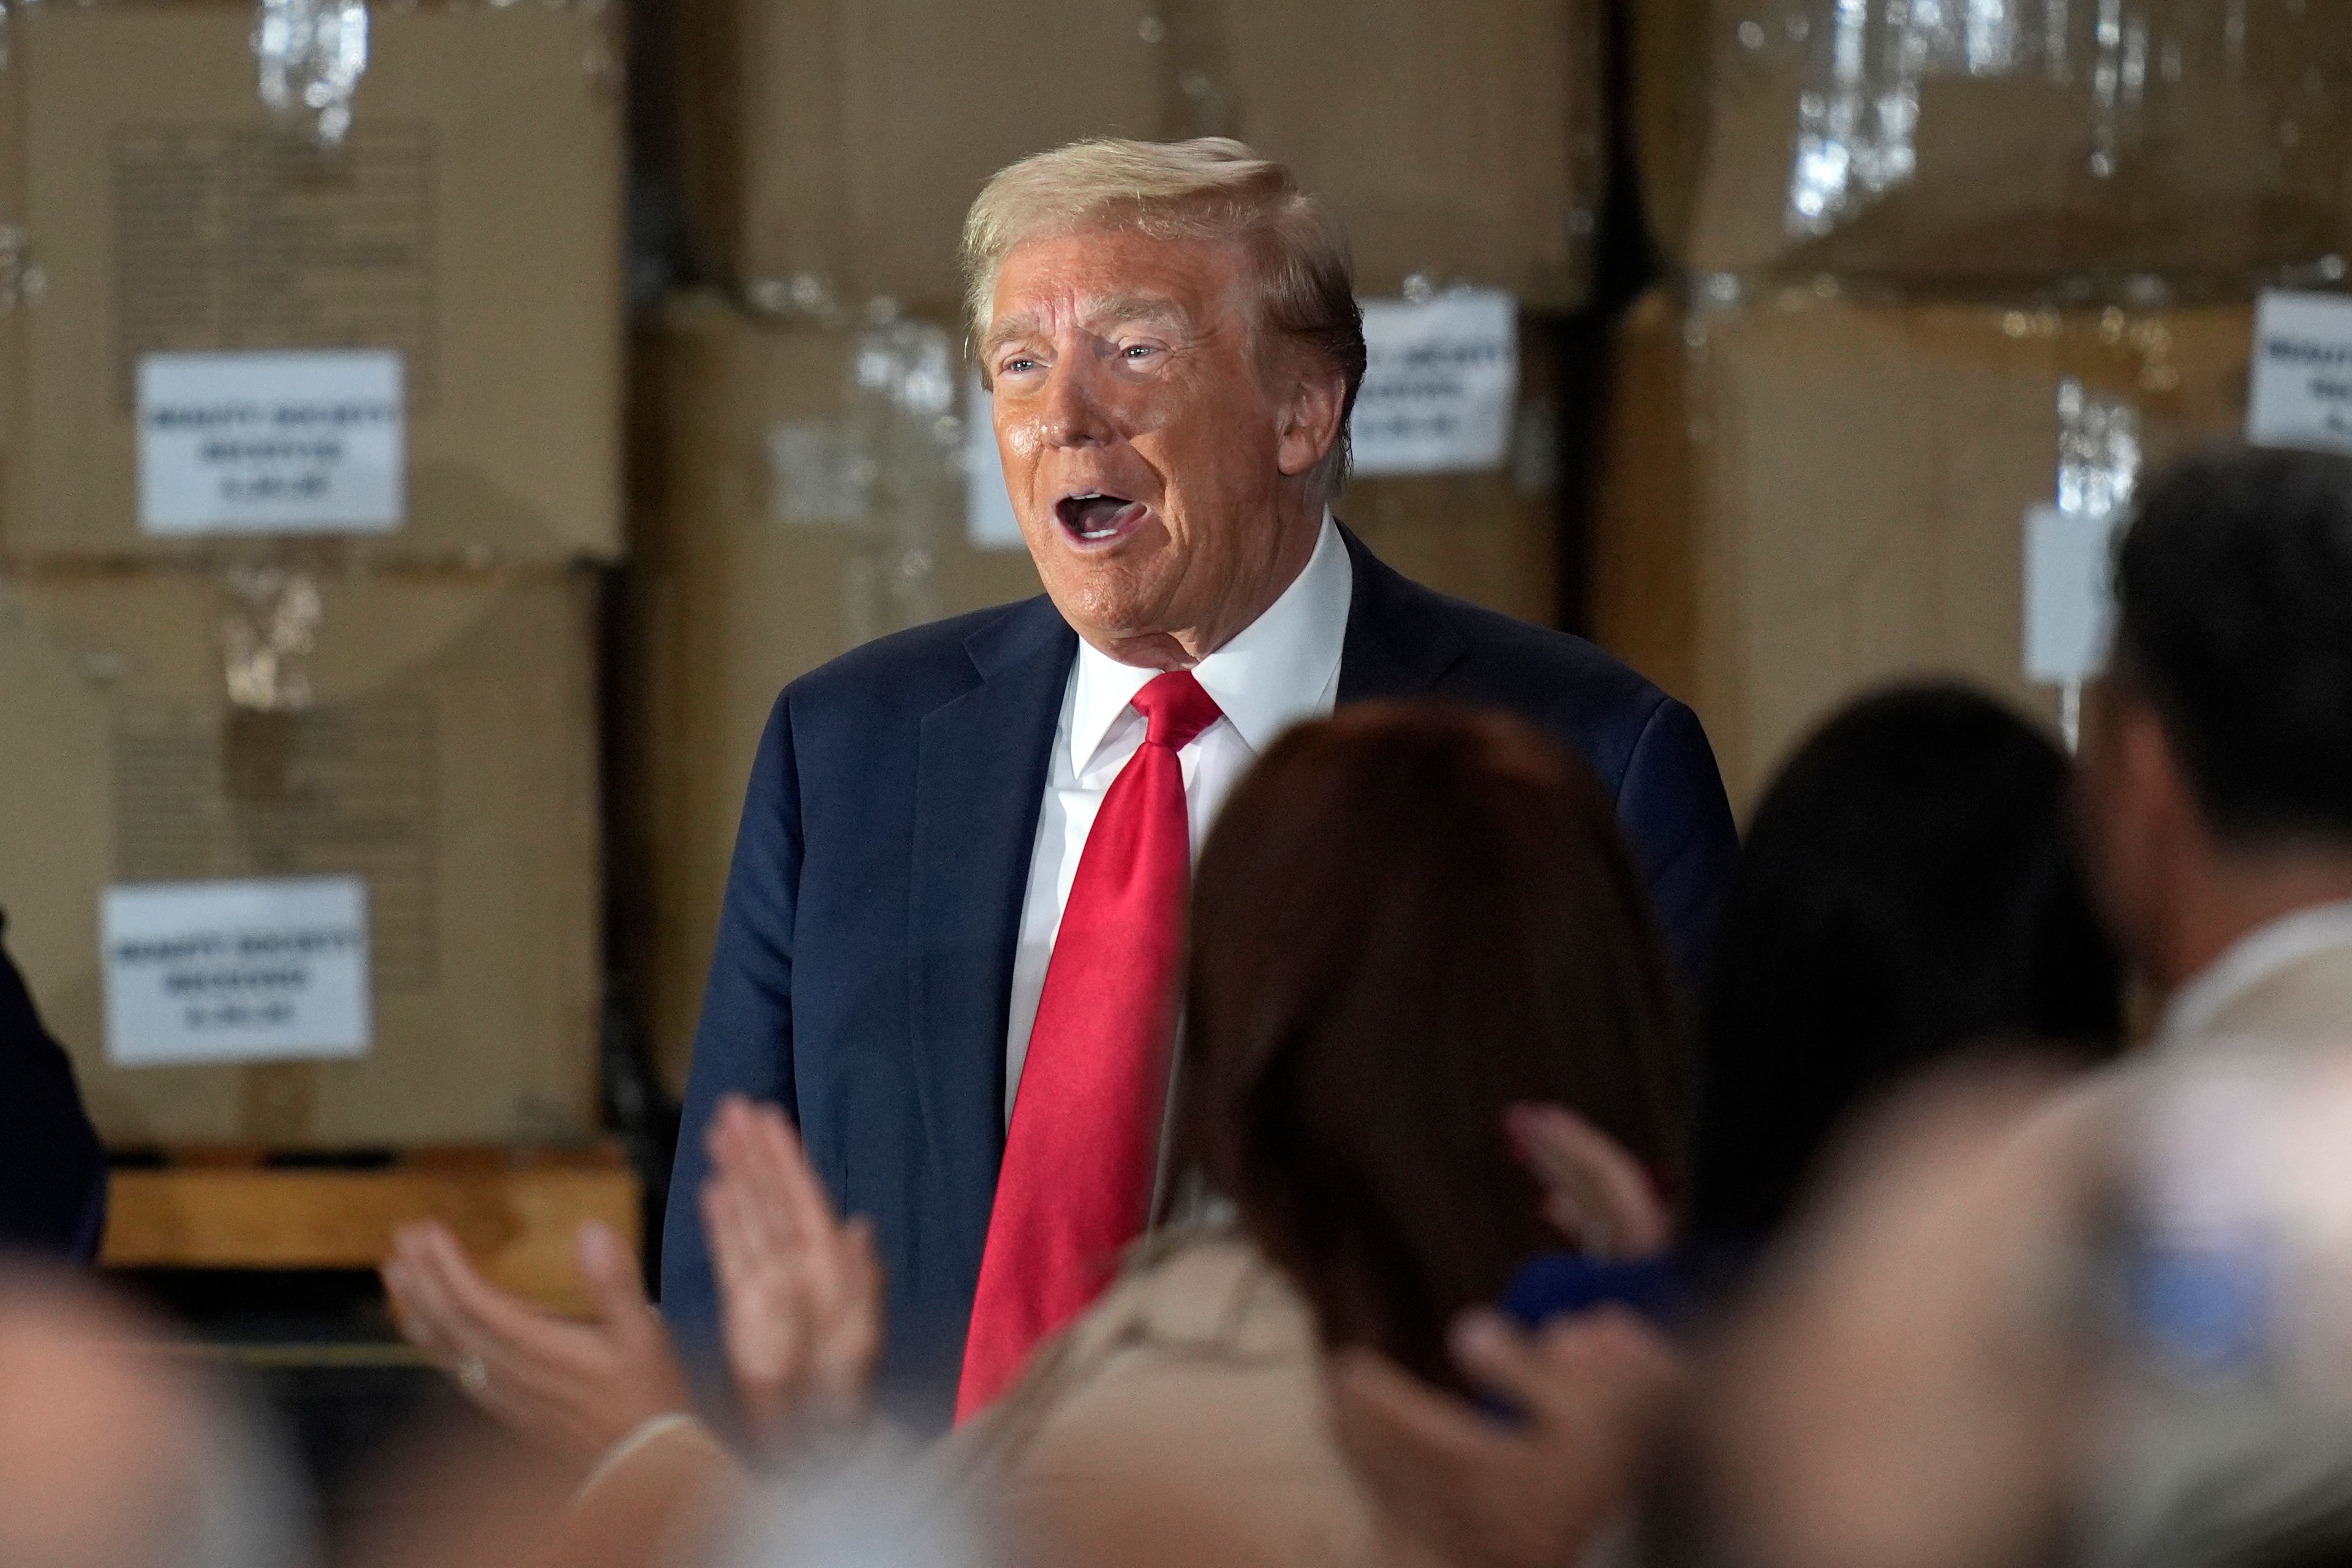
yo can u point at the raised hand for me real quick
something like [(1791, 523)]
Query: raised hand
[(1469, 1490), (800, 1291), (1595, 1194), (578, 1387)]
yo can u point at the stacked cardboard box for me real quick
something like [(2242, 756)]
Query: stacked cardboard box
[(832, 146), (1487, 532), (1936, 267), (309, 428), (1807, 500), (468, 224), (446, 757), (1990, 146)]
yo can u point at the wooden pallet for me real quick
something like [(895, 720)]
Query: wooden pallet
[(517, 1214)]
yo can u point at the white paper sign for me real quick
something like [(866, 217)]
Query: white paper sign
[(988, 517), (297, 442), (2069, 594), (1440, 380), (2301, 393), (236, 972)]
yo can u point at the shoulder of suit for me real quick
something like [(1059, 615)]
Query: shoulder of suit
[(1520, 664)]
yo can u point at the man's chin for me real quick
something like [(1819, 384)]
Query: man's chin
[(1108, 603)]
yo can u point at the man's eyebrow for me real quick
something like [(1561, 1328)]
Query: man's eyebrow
[(1109, 309), (1005, 329), (1010, 328), (1121, 309)]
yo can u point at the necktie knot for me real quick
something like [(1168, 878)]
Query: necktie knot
[(1175, 709)]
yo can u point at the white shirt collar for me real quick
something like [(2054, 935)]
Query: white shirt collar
[(2262, 953), (1275, 672)]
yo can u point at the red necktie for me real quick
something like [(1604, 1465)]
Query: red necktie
[(1080, 1155)]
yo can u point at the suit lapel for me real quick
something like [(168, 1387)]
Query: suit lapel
[(981, 776), (1399, 640)]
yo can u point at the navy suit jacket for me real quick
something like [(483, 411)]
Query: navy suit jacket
[(862, 974), (52, 1172)]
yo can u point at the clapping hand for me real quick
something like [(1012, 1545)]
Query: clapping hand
[(577, 1387), (800, 1291), (1595, 1193), (799, 1304), (1471, 1491)]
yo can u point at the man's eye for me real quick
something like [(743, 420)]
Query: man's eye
[(1140, 351), (1015, 367)]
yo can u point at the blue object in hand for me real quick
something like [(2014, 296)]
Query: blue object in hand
[(1558, 1284)]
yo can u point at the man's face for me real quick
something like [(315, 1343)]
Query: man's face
[(1155, 476)]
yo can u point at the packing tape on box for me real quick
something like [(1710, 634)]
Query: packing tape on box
[(1191, 48), (2098, 451), (311, 54), (269, 630), (1858, 120), (1865, 64)]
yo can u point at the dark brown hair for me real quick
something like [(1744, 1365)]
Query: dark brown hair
[(1406, 922)]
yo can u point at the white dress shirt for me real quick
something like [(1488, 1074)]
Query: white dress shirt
[(2257, 956), (1282, 669)]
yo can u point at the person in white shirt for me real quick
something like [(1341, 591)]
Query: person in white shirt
[(2217, 761)]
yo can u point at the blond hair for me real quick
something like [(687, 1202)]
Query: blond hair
[(1213, 188)]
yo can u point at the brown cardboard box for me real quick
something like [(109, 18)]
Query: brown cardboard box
[(1490, 538), (1986, 146), (1804, 499), (749, 572), (471, 222), (834, 146), (1458, 140), (448, 756)]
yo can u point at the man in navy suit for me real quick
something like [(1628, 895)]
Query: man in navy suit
[(52, 1172), (1172, 340)]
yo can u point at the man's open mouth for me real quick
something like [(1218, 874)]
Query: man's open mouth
[(1094, 517)]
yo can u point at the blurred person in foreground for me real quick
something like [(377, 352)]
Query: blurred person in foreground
[(116, 1451), (2039, 1322), (950, 940), (1909, 887), (52, 1170), (1405, 1072)]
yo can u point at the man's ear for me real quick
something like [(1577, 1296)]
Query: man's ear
[(1310, 417), (2154, 774), (2157, 820)]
